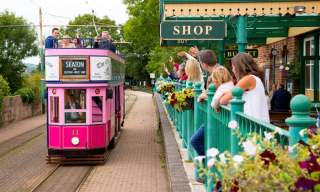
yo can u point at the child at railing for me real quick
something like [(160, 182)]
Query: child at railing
[(222, 80)]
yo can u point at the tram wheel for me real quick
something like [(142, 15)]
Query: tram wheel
[(112, 144)]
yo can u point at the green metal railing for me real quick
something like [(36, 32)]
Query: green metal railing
[(217, 132)]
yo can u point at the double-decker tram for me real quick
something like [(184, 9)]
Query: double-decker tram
[(85, 105)]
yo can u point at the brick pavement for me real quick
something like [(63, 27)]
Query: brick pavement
[(134, 165)]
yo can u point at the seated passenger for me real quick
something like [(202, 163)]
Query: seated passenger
[(51, 41), (76, 42), (106, 42), (281, 99), (66, 42)]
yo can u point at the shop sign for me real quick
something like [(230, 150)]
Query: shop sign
[(228, 54), (193, 30)]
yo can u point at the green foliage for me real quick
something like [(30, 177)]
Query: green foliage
[(4, 90), (27, 95), (16, 44), (89, 32), (160, 55), (142, 30), (33, 81)]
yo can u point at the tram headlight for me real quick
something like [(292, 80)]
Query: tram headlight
[(75, 140)]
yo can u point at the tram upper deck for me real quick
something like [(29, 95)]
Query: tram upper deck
[(82, 65)]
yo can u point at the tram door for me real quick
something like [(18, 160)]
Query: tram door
[(117, 108)]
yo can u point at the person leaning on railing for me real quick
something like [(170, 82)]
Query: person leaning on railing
[(248, 75), (208, 62)]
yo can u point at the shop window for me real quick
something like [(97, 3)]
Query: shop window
[(54, 109), (75, 105), (308, 50), (97, 109)]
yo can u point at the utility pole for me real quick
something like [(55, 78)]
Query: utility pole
[(41, 55)]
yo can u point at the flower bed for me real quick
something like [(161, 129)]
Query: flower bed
[(181, 100), (266, 166)]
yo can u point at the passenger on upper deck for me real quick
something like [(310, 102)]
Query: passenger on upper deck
[(66, 42), (106, 42), (51, 41)]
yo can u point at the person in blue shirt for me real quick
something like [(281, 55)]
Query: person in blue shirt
[(51, 41), (106, 42)]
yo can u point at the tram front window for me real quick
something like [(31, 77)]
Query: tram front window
[(75, 105)]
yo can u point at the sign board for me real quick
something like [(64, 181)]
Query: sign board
[(74, 68), (100, 68), (228, 54), (52, 68), (152, 75), (193, 30)]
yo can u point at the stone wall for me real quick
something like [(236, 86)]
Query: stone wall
[(14, 110)]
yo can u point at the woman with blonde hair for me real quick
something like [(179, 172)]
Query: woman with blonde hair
[(193, 71), (248, 76), (222, 80)]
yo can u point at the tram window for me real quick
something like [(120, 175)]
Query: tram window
[(54, 109), (97, 109), (75, 103), (75, 117), (75, 99)]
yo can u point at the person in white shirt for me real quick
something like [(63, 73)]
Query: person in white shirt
[(248, 75), (222, 80)]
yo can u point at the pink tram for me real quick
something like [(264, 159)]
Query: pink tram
[(85, 105)]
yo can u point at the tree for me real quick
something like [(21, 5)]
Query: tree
[(142, 30), (89, 32), (17, 42)]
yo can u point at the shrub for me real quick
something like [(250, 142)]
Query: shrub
[(33, 81), (27, 95), (4, 90)]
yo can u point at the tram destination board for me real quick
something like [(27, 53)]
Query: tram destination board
[(74, 68)]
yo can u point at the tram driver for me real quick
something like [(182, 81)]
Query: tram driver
[(73, 117)]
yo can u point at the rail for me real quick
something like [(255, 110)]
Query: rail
[(217, 131)]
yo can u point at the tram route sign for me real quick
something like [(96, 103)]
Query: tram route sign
[(193, 30), (74, 68), (228, 54)]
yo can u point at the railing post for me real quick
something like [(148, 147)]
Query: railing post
[(189, 127), (179, 113), (184, 123), (210, 133), (196, 123), (300, 106), (236, 106)]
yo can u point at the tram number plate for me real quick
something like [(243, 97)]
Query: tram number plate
[(74, 67)]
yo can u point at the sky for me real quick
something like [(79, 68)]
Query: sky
[(60, 12)]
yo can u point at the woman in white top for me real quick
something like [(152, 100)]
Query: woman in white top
[(247, 73), (222, 80)]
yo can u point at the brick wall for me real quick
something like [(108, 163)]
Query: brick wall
[(265, 60), (14, 110)]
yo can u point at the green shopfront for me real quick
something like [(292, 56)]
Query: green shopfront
[(245, 24)]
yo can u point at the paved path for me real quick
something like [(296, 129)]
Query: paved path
[(135, 164), (17, 128)]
